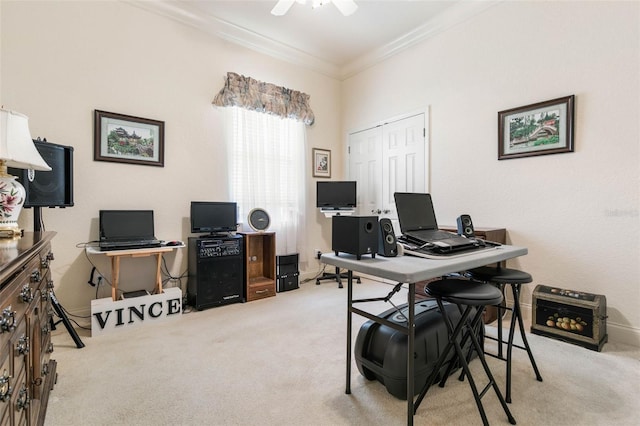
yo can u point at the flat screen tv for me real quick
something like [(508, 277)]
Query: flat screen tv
[(336, 194), (213, 217)]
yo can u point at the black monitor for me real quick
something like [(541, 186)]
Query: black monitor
[(336, 194), (126, 225), (213, 217)]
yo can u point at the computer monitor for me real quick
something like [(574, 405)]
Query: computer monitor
[(336, 195)]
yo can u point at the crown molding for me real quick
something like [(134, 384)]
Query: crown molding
[(460, 12), (184, 13)]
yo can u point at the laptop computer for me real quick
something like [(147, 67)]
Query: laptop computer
[(418, 223), (127, 229)]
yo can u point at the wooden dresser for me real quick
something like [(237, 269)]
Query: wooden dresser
[(27, 374)]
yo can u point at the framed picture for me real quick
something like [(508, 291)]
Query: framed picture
[(126, 139), (537, 129), (321, 163)]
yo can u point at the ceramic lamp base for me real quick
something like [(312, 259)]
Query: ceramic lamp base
[(12, 196)]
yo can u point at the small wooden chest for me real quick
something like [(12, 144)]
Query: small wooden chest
[(569, 315)]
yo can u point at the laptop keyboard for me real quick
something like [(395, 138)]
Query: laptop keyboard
[(124, 245)]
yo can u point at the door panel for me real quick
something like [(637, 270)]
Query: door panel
[(394, 156)]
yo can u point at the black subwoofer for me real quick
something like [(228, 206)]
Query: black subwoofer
[(355, 235), (53, 188)]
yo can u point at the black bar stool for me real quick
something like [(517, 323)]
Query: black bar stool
[(469, 296), (500, 277)]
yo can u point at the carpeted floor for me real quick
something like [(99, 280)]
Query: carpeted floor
[(282, 361)]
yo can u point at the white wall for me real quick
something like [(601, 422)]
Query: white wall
[(61, 60), (578, 213)]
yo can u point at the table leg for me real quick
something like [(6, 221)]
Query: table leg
[(115, 275), (411, 325), (349, 305), (159, 274)]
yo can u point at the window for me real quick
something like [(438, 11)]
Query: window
[(267, 170)]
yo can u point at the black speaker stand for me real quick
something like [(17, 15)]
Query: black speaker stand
[(37, 220), (65, 320), (336, 277)]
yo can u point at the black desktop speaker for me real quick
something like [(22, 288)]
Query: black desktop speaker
[(387, 244), (465, 226), (355, 235), (53, 188)]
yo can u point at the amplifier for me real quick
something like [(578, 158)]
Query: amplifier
[(228, 246), (569, 315)]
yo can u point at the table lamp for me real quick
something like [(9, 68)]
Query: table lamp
[(16, 150)]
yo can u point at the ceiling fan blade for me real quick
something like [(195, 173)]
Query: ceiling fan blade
[(282, 7), (346, 7)]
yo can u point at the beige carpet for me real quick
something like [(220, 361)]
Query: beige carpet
[(282, 361)]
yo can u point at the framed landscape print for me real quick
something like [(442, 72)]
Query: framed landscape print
[(537, 129), (125, 139), (321, 163)]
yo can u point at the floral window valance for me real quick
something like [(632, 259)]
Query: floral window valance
[(248, 93)]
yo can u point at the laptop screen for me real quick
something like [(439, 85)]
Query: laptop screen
[(126, 225), (415, 211)]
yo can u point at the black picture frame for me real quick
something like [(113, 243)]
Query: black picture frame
[(537, 129), (121, 138)]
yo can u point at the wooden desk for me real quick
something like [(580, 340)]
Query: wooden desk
[(410, 270), (116, 255)]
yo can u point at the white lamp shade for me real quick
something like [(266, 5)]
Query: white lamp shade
[(16, 144)]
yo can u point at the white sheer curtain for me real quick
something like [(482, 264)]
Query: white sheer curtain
[(267, 169)]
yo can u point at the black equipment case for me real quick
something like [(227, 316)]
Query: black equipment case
[(381, 352)]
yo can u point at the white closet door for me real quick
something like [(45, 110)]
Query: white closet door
[(388, 158), (365, 167), (404, 161)]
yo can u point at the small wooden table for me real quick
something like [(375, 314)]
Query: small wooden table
[(116, 255)]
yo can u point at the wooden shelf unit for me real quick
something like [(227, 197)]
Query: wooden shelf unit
[(260, 264)]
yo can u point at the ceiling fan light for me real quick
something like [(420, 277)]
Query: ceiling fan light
[(319, 3), (282, 7), (346, 7)]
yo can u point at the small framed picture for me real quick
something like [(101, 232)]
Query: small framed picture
[(537, 129), (321, 163), (125, 139)]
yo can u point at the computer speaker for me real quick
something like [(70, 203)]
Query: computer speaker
[(387, 244), (465, 226), (355, 235), (53, 188)]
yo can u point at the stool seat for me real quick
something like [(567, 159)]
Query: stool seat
[(469, 297), (464, 292), (513, 278), (501, 275)]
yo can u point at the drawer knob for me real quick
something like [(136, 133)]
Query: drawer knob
[(8, 320), (22, 347), (23, 399), (26, 294), (5, 387), (35, 276)]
